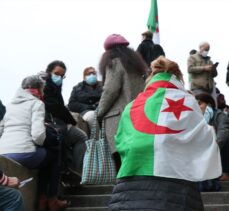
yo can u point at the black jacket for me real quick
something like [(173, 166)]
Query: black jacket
[(150, 51), (220, 122), (1, 173), (2, 110), (54, 103), (154, 194), (84, 97), (227, 78)]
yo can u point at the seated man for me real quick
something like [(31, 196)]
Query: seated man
[(10, 198)]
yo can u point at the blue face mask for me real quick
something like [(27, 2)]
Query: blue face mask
[(91, 79), (56, 79), (208, 114)]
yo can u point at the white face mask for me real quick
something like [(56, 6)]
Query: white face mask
[(204, 53)]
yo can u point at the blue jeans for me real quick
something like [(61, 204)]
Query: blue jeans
[(10, 199)]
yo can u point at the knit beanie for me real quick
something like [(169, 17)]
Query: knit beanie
[(114, 40)]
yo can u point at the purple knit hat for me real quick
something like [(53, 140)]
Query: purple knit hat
[(114, 40)]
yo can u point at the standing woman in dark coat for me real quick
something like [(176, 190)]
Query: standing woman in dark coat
[(74, 138)]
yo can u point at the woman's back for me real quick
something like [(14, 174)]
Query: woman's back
[(23, 124)]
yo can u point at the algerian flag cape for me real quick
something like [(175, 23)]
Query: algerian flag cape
[(163, 133)]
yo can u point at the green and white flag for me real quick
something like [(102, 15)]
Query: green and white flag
[(152, 23), (163, 133)]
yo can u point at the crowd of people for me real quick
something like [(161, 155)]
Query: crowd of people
[(143, 103)]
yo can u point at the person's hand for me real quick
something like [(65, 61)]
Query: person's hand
[(13, 182), (209, 67)]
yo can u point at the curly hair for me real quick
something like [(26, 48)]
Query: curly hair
[(131, 60), (162, 64), (54, 64)]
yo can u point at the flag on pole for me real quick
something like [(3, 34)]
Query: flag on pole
[(152, 23), (163, 133)]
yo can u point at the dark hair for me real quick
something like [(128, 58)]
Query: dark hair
[(193, 51), (148, 35), (206, 98), (131, 61), (221, 102), (54, 64)]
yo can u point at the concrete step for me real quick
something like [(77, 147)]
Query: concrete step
[(87, 209), (107, 189), (216, 207), (96, 198), (212, 201), (215, 198), (89, 200), (89, 190)]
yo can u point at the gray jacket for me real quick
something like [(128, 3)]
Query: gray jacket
[(120, 88), (221, 124)]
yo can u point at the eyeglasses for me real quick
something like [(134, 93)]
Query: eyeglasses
[(62, 76)]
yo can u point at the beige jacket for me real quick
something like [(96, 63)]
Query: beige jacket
[(200, 77)]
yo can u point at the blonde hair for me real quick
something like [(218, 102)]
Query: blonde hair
[(162, 64)]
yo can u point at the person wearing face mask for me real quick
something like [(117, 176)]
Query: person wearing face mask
[(85, 95), (22, 137), (220, 122), (54, 102), (73, 137), (202, 71)]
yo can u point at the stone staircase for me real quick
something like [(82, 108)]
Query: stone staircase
[(96, 198)]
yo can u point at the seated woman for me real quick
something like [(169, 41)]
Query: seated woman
[(74, 138), (22, 134), (166, 146), (85, 96), (220, 122)]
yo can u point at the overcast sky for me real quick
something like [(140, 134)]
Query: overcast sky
[(36, 32)]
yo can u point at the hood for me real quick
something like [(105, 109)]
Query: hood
[(22, 95)]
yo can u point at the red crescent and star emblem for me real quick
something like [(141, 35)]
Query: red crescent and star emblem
[(139, 118), (176, 107)]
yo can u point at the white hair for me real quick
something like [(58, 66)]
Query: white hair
[(33, 81), (203, 43)]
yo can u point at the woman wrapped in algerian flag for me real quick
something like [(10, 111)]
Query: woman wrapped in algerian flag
[(165, 145)]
